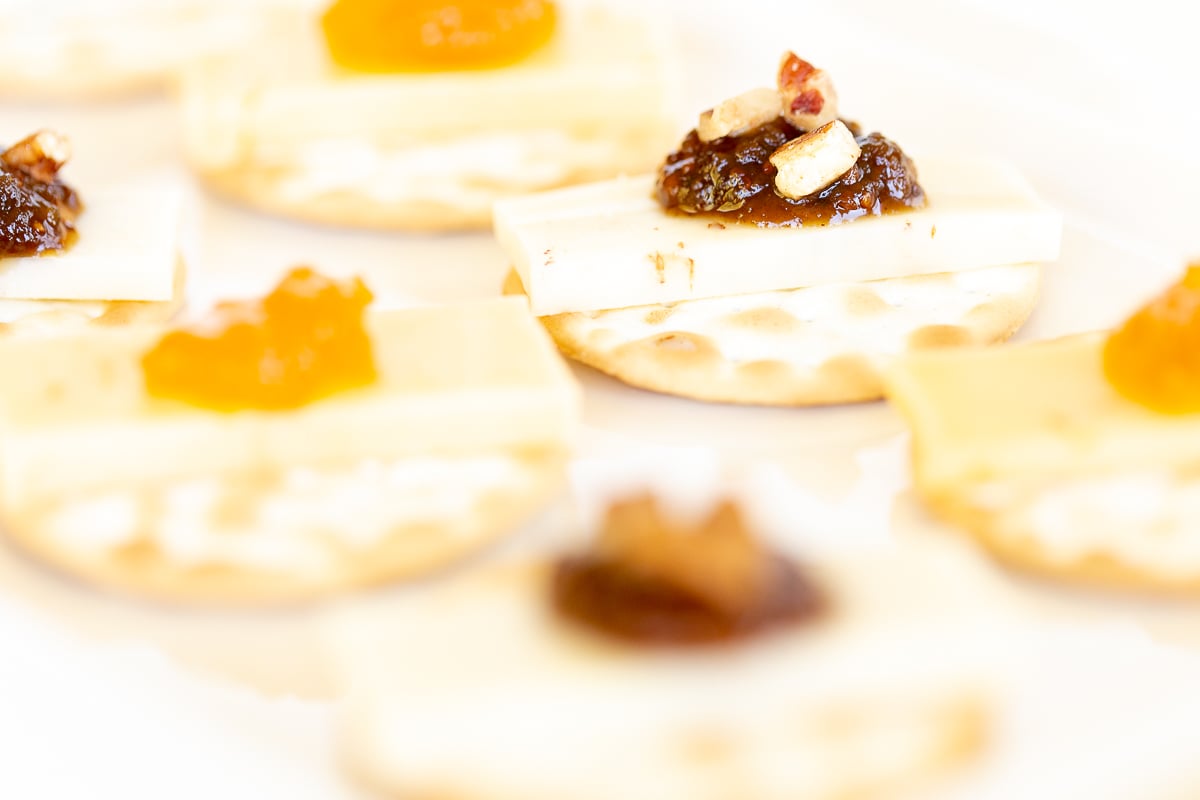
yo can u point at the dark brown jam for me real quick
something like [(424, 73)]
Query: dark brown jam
[(733, 179), (655, 585), (629, 606), (37, 210)]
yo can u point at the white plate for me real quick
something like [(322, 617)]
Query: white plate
[(1080, 98)]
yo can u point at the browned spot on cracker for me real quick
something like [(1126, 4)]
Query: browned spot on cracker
[(676, 341), (716, 226), (863, 301), (939, 336), (932, 231), (549, 257), (691, 274), (767, 320), (851, 375), (766, 371), (657, 316)]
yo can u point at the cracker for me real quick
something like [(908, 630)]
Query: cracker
[(172, 541), (481, 671), (102, 52), (438, 152), (810, 346), (20, 317), (458, 202), (1008, 535)]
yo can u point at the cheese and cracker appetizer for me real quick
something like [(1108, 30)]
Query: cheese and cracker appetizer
[(780, 256), (281, 448), (419, 114), (1074, 457), (88, 50), (670, 660), (108, 256)]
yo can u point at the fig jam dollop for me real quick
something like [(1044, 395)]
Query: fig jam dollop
[(37, 210), (650, 581), (732, 179)]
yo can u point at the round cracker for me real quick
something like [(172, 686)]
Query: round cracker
[(408, 551), (457, 205), (811, 346), (249, 163), (1023, 552)]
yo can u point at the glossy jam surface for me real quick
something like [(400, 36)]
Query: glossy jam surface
[(303, 341), (1154, 358), (435, 35), (37, 210), (732, 179), (652, 582)]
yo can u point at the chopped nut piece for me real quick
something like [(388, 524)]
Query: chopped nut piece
[(40, 155), (739, 114), (717, 560), (813, 161), (807, 94)]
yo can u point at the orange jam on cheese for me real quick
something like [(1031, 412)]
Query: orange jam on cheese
[(303, 341), (435, 35), (1154, 358)]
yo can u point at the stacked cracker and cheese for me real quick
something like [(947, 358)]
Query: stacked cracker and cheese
[(1075, 457), (734, 312), (488, 688), (118, 260), (282, 127), (462, 432)]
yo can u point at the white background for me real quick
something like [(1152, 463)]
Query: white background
[(106, 697)]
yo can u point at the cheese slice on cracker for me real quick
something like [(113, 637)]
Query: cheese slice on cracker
[(462, 435), (1032, 451), (477, 689)]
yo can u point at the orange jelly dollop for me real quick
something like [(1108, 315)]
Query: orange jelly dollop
[(435, 35), (303, 341), (1154, 358)]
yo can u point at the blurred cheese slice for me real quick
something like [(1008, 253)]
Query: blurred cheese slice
[(1029, 411), (127, 249), (80, 48), (477, 689), (597, 100), (1029, 449), (465, 379), (610, 245)]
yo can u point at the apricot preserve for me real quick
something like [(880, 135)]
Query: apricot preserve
[(435, 35), (1154, 358), (303, 341)]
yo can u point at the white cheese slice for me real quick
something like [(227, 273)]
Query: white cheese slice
[(610, 245), (460, 379), (1030, 412), (127, 248), (602, 73)]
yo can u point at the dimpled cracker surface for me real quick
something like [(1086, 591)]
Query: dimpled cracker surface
[(810, 346)]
